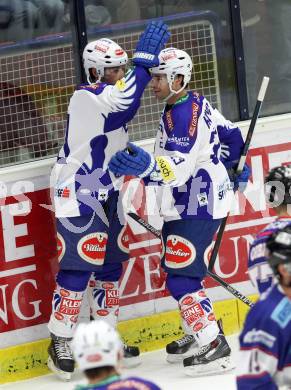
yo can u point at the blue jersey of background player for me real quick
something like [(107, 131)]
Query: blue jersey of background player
[(265, 342), (86, 192), (98, 351), (278, 187), (193, 192)]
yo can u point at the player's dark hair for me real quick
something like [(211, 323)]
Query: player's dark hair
[(93, 373), (279, 247)]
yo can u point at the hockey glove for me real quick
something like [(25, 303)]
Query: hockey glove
[(150, 43), (240, 180), (133, 161)]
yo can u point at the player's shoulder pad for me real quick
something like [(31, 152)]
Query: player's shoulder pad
[(96, 89)]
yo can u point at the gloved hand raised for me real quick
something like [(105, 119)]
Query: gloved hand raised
[(133, 161), (240, 180), (150, 43)]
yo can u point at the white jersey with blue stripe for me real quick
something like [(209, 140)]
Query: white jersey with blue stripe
[(96, 129), (191, 172)]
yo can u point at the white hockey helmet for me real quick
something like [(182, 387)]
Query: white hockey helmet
[(96, 344), (101, 54), (172, 63)]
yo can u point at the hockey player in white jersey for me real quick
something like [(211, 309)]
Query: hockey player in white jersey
[(98, 351), (86, 193), (278, 191), (194, 193), (265, 342)]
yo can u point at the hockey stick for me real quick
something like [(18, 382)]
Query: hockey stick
[(240, 166), (227, 286)]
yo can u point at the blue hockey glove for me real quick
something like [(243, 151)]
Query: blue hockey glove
[(150, 43), (133, 161), (240, 181)]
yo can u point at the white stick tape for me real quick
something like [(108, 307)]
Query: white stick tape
[(263, 88)]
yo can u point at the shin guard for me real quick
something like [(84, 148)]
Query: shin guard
[(103, 298), (66, 307), (198, 318)]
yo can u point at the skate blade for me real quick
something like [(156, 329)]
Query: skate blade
[(63, 375), (131, 362), (217, 367)]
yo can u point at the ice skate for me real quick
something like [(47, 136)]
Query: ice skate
[(211, 359), (60, 359), (179, 349), (131, 356)]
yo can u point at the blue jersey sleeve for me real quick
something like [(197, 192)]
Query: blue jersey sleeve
[(265, 344), (231, 140)]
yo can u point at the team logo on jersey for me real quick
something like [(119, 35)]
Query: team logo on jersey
[(61, 246), (255, 336), (92, 247), (282, 313), (202, 199), (166, 170), (123, 240), (62, 192), (102, 194), (179, 252)]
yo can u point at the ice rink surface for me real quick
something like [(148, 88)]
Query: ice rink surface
[(154, 367)]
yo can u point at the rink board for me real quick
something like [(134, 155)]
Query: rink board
[(29, 260), (149, 333)]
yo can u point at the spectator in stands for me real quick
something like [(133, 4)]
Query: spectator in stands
[(23, 133), (96, 13), (124, 10), (18, 20), (50, 14)]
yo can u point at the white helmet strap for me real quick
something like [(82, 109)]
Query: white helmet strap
[(170, 80)]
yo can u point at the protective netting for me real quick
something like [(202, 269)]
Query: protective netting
[(35, 88)]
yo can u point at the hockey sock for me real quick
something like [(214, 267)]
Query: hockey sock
[(198, 317)]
